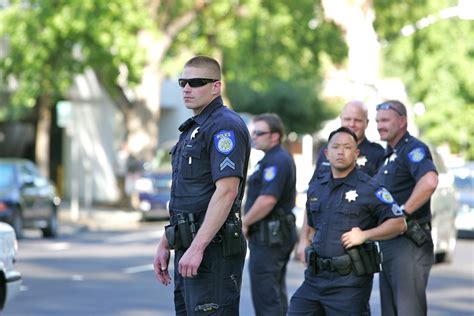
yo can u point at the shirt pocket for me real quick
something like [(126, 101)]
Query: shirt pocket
[(347, 217), (314, 208), (192, 164)]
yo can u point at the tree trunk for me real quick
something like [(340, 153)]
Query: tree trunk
[(43, 133)]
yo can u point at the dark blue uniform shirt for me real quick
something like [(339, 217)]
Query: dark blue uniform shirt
[(274, 175), (335, 206), (404, 165), (370, 159), (213, 145)]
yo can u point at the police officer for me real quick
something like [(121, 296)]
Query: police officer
[(354, 116), (209, 167), (409, 173), (347, 210), (268, 221)]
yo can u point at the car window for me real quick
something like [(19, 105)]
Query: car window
[(7, 176)]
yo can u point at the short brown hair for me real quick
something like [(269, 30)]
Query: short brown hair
[(205, 62), (274, 123)]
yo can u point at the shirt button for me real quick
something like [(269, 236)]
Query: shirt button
[(385, 172)]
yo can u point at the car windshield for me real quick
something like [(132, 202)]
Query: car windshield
[(7, 176), (162, 183)]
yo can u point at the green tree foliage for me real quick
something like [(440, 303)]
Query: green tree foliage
[(271, 53), (436, 63), (48, 42)]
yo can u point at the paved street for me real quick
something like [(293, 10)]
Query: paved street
[(109, 273)]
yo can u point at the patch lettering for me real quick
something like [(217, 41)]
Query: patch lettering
[(224, 141)]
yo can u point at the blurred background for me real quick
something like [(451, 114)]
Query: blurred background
[(90, 105)]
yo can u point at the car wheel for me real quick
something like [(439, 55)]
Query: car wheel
[(17, 222), (51, 230)]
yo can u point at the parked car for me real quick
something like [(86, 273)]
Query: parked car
[(152, 194), (464, 182), (443, 209), (10, 279), (27, 199)]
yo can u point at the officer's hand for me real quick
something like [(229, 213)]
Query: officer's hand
[(353, 238), (160, 265), (245, 231), (190, 262), (302, 244)]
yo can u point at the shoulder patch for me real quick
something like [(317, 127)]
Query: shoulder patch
[(224, 141), (384, 196), (269, 173), (417, 154)]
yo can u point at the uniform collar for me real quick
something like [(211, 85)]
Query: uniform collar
[(406, 137), (208, 110), (364, 142), (273, 149), (350, 180)]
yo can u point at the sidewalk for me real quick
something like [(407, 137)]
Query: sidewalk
[(98, 218)]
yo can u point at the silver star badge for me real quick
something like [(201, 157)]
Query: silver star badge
[(351, 195), (193, 134), (361, 161), (392, 158)]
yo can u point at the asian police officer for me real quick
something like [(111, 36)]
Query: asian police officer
[(347, 211), (354, 116)]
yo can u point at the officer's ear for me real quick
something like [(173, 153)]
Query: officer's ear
[(357, 152), (216, 87), (326, 153)]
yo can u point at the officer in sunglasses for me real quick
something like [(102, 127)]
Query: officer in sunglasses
[(209, 172), (410, 175), (354, 116), (268, 221)]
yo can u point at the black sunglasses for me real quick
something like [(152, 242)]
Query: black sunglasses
[(195, 82), (388, 106), (259, 133)]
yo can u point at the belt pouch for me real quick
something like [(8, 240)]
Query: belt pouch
[(415, 233), (375, 257), (184, 234), (274, 234), (357, 263), (342, 264), (231, 238), (170, 234)]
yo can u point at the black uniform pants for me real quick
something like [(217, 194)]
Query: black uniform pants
[(218, 282), (404, 276), (330, 294), (267, 267)]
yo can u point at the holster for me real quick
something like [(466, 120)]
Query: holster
[(365, 258), (232, 236), (183, 232), (415, 233), (310, 258), (274, 229)]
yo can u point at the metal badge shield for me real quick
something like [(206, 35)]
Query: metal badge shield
[(224, 141)]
